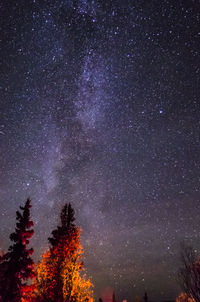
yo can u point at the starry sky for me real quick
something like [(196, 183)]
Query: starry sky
[(99, 106)]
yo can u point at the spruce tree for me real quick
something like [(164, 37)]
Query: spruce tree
[(113, 297), (146, 297), (67, 228), (16, 265), (58, 273)]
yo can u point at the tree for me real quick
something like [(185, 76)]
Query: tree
[(183, 297), (189, 274), (67, 229), (146, 297), (59, 272), (113, 297), (16, 266)]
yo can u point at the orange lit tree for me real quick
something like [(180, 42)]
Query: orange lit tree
[(16, 266), (60, 273), (183, 297)]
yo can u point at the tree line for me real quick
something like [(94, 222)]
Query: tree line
[(58, 277)]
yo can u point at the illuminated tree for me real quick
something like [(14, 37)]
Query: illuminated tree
[(183, 297), (16, 266), (59, 272)]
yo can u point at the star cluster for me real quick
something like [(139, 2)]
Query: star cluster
[(99, 106)]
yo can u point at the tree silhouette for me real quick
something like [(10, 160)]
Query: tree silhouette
[(113, 297), (146, 297), (189, 274), (67, 228), (16, 266)]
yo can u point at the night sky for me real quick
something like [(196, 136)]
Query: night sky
[(99, 106)]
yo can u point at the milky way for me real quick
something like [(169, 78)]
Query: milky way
[(99, 106)]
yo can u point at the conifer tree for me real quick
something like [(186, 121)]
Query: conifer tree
[(146, 297), (16, 265), (113, 297), (58, 273), (67, 229)]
